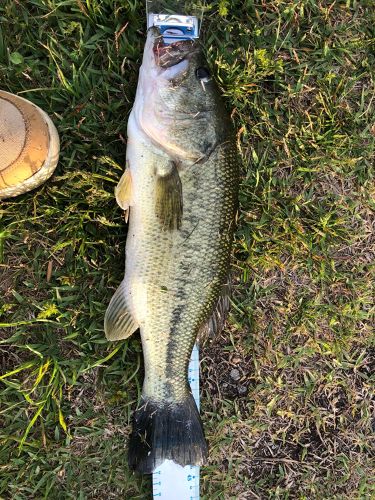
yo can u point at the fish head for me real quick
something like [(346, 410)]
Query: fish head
[(178, 105)]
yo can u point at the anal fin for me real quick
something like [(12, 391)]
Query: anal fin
[(119, 323)]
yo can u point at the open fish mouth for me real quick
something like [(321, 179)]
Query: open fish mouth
[(167, 55)]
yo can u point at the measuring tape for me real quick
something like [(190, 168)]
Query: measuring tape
[(171, 481), (172, 26)]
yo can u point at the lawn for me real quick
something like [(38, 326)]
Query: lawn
[(287, 387)]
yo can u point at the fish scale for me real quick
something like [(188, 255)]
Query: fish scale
[(181, 187), (180, 302)]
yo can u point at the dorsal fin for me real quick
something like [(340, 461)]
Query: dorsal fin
[(215, 323)]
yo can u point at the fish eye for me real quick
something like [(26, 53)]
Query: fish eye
[(203, 74)]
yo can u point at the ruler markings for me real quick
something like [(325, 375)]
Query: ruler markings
[(172, 481)]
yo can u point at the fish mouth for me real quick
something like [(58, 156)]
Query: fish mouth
[(168, 55)]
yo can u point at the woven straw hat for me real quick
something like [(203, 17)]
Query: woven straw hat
[(29, 145)]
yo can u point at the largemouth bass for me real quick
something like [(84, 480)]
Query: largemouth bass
[(180, 190)]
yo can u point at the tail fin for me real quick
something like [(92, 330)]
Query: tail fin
[(166, 431)]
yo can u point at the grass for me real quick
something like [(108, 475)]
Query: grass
[(298, 423)]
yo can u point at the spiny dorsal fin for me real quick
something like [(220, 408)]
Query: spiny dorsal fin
[(124, 191), (118, 321), (168, 202)]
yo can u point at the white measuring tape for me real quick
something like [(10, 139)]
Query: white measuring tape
[(171, 481)]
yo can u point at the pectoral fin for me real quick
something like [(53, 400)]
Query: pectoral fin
[(168, 202), (118, 321), (124, 191)]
